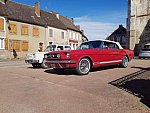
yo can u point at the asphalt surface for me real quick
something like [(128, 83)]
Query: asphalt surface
[(24, 89)]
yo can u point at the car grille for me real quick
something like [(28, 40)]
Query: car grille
[(52, 56)]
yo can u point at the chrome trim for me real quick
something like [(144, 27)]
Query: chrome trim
[(61, 61), (31, 61), (107, 62)]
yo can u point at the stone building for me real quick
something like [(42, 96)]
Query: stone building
[(26, 28), (138, 24), (119, 35)]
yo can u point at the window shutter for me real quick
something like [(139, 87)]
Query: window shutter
[(25, 46), (35, 31), (16, 45), (13, 28), (6, 44), (24, 30), (1, 24)]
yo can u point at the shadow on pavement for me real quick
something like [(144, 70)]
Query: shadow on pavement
[(72, 71), (137, 83), (62, 72)]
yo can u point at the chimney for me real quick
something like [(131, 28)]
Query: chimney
[(37, 9), (57, 15), (120, 26)]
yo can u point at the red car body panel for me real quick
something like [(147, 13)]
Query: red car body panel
[(98, 57)]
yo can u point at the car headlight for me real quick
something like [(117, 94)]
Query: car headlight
[(58, 55), (68, 55)]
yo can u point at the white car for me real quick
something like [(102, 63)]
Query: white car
[(37, 58)]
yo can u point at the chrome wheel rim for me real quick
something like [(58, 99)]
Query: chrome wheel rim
[(125, 62), (84, 66)]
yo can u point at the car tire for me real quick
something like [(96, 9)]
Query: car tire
[(124, 62), (36, 65), (43, 65), (83, 67)]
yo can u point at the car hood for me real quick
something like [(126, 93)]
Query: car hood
[(85, 51)]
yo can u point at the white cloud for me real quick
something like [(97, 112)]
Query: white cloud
[(95, 29)]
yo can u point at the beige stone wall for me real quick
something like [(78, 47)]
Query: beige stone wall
[(56, 38), (139, 16), (33, 42), (76, 36)]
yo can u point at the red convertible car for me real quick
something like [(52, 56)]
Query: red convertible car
[(89, 55)]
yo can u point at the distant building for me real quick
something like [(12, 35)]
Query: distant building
[(119, 35), (138, 24), (26, 28)]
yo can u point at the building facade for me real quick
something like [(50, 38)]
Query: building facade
[(26, 28), (119, 35), (138, 24)]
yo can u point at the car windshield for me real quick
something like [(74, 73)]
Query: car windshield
[(67, 48), (50, 48), (90, 45)]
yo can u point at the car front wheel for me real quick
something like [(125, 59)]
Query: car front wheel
[(124, 62), (83, 67), (43, 65)]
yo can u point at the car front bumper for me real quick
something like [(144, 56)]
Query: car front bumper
[(60, 63), (144, 55), (31, 61)]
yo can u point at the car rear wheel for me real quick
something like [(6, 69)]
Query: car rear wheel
[(124, 62), (83, 67)]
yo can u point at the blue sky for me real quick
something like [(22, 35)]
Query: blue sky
[(98, 18)]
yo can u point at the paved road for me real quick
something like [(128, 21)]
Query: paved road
[(12, 64), (105, 90)]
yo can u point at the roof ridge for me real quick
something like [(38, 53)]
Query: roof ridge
[(20, 4)]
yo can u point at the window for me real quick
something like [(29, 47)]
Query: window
[(110, 45), (91, 45), (62, 35), (24, 30), (70, 34), (1, 43), (35, 31), (50, 33), (24, 45), (1, 24), (12, 28)]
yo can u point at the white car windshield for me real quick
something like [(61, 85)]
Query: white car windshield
[(50, 48)]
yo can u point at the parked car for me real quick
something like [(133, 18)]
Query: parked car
[(90, 54), (145, 53), (36, 58)]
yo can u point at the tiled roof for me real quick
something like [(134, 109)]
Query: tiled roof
[(23, 13), (119, 31), (68, 23)]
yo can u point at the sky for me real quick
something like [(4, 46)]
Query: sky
[(98, 18)]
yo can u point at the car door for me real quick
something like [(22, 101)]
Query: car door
[(111, 53)]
